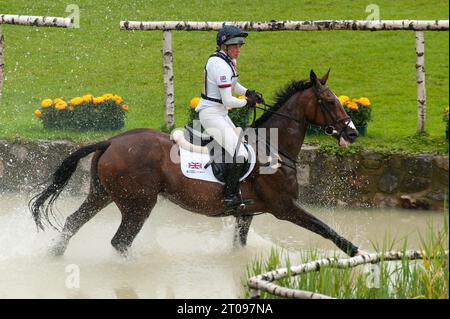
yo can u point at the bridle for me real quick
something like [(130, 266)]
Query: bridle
[(328, 129)]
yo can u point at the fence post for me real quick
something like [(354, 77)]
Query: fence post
[(168, 79), (420, 76), (2, 64)]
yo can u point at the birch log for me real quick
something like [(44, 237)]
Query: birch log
[(2, 64), (168, 79), (265, 281), (365, 25), (36, 21), (420, 76)]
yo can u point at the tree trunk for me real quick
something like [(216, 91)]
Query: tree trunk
[(2, 64)]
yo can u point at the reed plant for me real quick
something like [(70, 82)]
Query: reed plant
[(403, 279)]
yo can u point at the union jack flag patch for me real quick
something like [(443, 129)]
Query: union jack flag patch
[(195, 165)]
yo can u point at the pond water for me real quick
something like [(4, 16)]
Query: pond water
[(177, 254)]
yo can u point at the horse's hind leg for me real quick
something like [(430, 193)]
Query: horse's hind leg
[(241, 230), (134, 214), (90, 207)]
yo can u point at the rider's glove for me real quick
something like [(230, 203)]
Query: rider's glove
[(258, 97), (251, 101)]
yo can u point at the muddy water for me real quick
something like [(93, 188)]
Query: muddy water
[(177, 254)]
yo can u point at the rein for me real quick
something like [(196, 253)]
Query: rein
[(276, 113), (268, 108)]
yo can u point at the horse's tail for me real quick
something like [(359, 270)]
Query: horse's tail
[(59, 180)]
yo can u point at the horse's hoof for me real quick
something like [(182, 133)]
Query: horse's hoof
[(122, 250), (57, 250), (58, 246)]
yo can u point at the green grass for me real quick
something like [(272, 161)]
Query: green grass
[(99, 58), (405, 279)]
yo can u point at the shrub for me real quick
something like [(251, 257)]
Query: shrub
[(106, 112)]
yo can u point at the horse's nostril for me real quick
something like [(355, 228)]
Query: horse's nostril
[(352, 135)]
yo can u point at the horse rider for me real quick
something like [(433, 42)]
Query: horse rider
[(220, 82)]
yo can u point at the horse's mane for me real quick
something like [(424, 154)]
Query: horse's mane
[(282, 96)]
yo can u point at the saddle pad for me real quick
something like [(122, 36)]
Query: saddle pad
[(193, 165)]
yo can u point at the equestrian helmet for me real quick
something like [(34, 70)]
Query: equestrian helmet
[(231, 34)]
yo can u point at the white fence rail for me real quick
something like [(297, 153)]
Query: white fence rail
[(419, 26), (363, 25), (36, 21)]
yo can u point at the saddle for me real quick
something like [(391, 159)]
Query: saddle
[(193, 141)]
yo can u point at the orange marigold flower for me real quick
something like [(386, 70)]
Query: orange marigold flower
[(118, 99), (352, 105), (98, 100), (124, 107), (38, 113), (46, 103), (88, 98), (343, 99), (194, 102), (61, 105), (77, 101), (364, 101)]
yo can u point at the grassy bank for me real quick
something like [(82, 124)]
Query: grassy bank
[(99, 58), (405, 279)]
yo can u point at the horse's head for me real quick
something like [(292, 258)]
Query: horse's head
[(325, 110)]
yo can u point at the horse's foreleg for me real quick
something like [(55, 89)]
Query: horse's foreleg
[(301, 217), (241, 230)]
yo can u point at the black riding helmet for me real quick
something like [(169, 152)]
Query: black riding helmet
[(231, 34)]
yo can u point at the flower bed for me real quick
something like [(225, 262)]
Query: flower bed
[(106, 112), (359, 110)]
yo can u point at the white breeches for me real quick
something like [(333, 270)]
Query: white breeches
[(216, 122)]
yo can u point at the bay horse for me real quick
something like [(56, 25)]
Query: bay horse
[(132, 168)]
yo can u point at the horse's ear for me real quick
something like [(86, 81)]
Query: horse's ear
[(324, 79), (313, 78)]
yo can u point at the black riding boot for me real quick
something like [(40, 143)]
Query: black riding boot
[(233, 198)]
